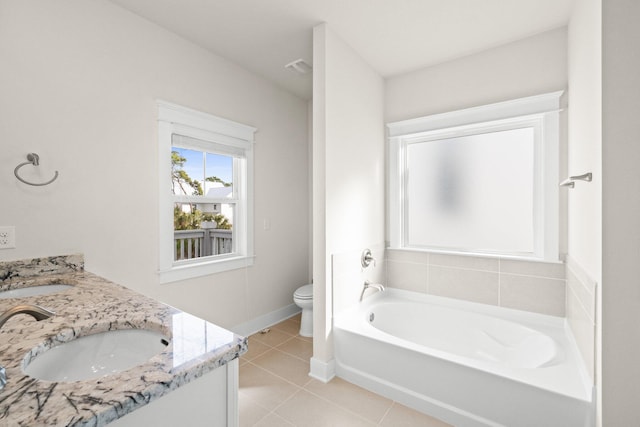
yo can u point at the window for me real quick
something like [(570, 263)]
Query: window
[(478, 181), (206, 166)]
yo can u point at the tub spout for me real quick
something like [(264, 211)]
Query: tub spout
[(368, 285)]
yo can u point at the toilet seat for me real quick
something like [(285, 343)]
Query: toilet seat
[(304, 292)]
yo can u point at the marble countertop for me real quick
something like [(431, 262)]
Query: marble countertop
[(95, 305)]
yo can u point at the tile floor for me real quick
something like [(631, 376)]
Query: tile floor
[(276, 390)]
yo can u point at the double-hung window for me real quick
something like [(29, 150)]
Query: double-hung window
[(206, 165), (479, 181)]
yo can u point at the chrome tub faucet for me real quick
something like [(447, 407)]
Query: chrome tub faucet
[(368, 285)]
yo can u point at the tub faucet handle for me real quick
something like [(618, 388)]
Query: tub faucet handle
[(367, 258)]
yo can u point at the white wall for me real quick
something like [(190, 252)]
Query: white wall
[(584, 265), (79, 83), (620, 213), (348, 149), (585, 127), (527, 67)]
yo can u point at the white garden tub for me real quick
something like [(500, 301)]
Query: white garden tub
[(465, 363)]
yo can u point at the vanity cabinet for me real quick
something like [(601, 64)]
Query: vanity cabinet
[(209, 401)]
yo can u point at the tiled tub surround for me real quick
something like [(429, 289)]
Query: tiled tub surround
[(581, 311), (538, 287), (93, 305)]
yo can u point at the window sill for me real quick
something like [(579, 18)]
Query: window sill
[(190, 271)]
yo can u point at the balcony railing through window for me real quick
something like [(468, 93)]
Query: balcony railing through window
[(189, 244)]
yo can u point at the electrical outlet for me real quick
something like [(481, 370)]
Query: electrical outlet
[(7, 237)]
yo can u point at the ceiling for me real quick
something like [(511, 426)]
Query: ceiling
[(393, 36)]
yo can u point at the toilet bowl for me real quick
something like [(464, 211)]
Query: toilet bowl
[(303, 297)]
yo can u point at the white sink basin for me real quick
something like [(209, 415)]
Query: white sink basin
[(97, 355), (33, 290)]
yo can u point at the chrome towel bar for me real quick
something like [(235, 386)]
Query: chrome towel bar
[(571, 181)]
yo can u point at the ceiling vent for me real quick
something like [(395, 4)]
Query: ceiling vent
[(299, 66)]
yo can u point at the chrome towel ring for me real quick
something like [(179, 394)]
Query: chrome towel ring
[(33, 159)]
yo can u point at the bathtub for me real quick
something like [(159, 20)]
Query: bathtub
[(468, 364)]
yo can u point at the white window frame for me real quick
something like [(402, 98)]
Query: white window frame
[(175, 119), (540, 112)]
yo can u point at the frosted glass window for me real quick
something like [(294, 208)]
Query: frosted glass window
[(483, 180), (472, 193)]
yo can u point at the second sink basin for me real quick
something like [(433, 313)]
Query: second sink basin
[(30, 291), (97, 355)]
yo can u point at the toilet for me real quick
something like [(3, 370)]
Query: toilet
[(303, 297)]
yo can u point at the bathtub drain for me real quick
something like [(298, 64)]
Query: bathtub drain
[(371, 317)]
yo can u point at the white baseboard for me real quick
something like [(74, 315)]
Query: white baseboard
[(259, 323), (322, 371)]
